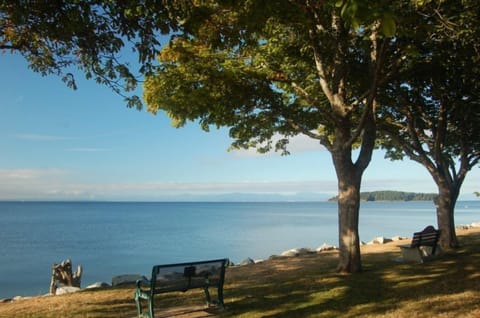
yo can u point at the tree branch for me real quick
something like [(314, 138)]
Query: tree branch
[(376, 61), (312, 101)]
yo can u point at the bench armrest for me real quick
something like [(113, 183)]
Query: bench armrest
[(145, 282)]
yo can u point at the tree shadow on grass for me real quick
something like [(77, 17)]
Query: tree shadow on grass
[(307, 286), (448, 286), (116, 302)]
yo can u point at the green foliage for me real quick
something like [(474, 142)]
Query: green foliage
[(431, 109), (251, 66), (360, 13), (57, 36)]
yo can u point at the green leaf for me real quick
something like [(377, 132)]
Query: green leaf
[(388, 26)]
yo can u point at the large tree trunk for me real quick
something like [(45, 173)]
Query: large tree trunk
[(349, 177), (349, 180), (348, 219), (445, 204)]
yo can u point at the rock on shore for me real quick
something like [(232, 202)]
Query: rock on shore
[(66, 290), (127, 279)]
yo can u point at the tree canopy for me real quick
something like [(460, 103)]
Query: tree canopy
[(263, 68), (430, 111), (93, 36)]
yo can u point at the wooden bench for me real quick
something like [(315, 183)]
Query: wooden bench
[(423, 246), (181, 277)]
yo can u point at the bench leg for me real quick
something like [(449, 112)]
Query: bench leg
[(430, 252), (220, 296), (207, 295), (141, 313), (411, 254), (139, 305), (150, 307), (427, 251)]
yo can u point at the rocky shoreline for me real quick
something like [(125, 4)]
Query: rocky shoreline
[(119, 280)]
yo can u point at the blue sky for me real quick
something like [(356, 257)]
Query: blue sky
[(61, 144)]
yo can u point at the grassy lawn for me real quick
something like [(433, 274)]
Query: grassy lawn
[(305, 286)]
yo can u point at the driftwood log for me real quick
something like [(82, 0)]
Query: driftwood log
[(62, 275)]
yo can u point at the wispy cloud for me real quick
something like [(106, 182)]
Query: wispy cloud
[(42, 137), (29, 183), (58, 184), (11, 175), (63, 184), (246, 186), (54, 138), (86, 149)]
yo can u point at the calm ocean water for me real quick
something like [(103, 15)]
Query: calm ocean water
[(109, 238)]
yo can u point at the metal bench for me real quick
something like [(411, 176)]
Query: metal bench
[(423, 246), (181, 277)]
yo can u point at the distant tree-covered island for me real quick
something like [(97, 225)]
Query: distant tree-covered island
[(393, 196)]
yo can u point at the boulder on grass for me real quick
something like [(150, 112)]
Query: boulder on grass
[(66, 290), (126, 279), (326, 247), (379, 240), (247, 261), (298, 251), (98, 285)]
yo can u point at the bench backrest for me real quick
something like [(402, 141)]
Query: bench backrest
[(428, 237), (184, 276)]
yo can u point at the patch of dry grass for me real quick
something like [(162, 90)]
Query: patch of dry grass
[(305, 286)]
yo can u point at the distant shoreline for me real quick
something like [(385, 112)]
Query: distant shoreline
[(389, 195), (205, 202), (331, 200)]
